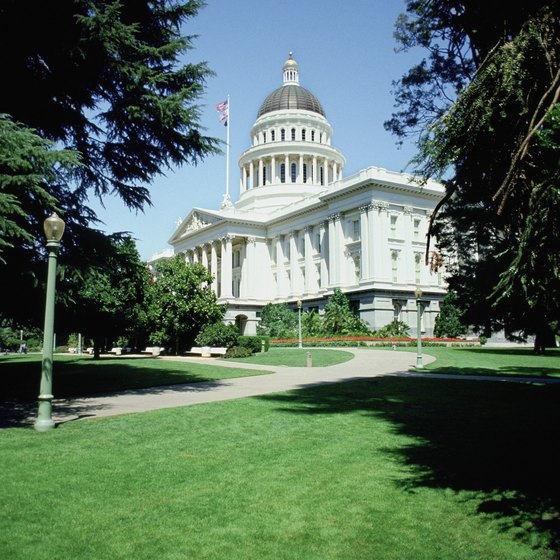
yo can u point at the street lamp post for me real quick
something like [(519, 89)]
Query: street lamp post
[(299, 304), (54, 228), (418, 294)]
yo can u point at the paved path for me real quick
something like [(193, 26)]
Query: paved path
[(365, 364)]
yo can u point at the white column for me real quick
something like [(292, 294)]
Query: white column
[(294, 267), (287, 165), (281, 279), (335, 171), (196, 258), (244, 179), (205, 256), (381, 270), (408, 253), (340, 255), (364, 241), (226, 267), (214, 266), (333, 272), (248, 269), (300, 170), (314, 171), (251, 175), (326, 171), (324, 256), (273, 171), (310, 272)]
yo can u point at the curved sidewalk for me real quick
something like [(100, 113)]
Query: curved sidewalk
[(364, 364)]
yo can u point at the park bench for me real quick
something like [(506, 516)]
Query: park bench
[(153, 350), (198, 350), (117, 351)]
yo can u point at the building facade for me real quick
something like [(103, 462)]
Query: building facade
[(300, 229)]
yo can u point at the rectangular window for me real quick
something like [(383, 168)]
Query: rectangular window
[(356, 230), (416, 230), (417, 264), (393, 226), (394, 266), (303, 134)]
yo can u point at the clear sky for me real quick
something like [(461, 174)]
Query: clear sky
[(346, 56)]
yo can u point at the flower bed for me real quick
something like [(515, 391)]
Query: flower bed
[(375, 341)]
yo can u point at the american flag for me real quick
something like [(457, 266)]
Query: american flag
[(222, 106)]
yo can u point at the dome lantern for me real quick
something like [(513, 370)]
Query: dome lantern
[(291, 71)]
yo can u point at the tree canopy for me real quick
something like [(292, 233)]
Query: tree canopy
[(103, 96), (180, 300), (484, 103)]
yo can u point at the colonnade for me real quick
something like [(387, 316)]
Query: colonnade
[(370, 243), (288, 168)]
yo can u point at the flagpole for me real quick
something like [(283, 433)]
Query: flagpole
[(227, 147)]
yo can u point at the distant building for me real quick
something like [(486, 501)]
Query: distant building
[(300, 229)]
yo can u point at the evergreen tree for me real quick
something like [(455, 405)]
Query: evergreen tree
[(485, 104), (448, 322), (114, 84)]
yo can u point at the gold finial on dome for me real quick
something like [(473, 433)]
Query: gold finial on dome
[(291, 70)]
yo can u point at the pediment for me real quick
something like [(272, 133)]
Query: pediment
[(195, 221)]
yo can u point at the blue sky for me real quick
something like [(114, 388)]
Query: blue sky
[(345, 52)]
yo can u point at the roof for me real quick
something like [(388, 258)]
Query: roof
[(290, 96)]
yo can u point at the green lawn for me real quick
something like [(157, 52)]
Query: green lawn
[(492, 361), (75, 376), (387, 468), (296, 357)]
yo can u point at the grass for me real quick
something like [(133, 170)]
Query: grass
[(387, 468), (295, 357), (76, 376), (492, 361)]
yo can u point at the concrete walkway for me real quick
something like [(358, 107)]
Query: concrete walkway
[(282, 378), (365, 364)]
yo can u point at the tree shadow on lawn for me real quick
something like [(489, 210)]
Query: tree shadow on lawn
[(497, 441), (72, 381), (513, 371)]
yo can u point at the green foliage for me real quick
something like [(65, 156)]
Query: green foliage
[(278, 320), (448, 322), (311, 324), (393, 329), (180, 302), (217, 334), (238, 352), (486, 107), (114, 83), (254, 343), (338, 319)]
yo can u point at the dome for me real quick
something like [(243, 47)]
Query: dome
[(291, 96)]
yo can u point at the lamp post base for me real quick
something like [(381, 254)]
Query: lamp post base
[(44, 421), (419, 364)]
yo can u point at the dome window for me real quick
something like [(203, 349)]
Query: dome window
[(283, 173), (283, 135), (293, 134), (305, 172), (264, 137), (312, 136), (303, 134), (293, 172), (272, 135)]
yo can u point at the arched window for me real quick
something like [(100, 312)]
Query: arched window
[(272, 135), (322, 176), (293, 134), (264, 176), (312, 136), (305, 172), (293, 172), (303, 134), (282, 172), (264, 137), (282, 135)]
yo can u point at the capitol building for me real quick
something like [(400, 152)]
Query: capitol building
[(300, 228)]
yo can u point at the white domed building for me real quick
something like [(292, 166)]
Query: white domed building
[(300, 229)]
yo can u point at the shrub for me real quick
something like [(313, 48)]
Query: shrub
[(217, 334), (238, 352), (393, 329), (254, 342)]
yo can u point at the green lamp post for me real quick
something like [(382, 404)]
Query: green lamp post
[(299, 304), (418, 294), (54, 228)]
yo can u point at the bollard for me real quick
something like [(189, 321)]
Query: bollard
[(309, 360), (262, 345)]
